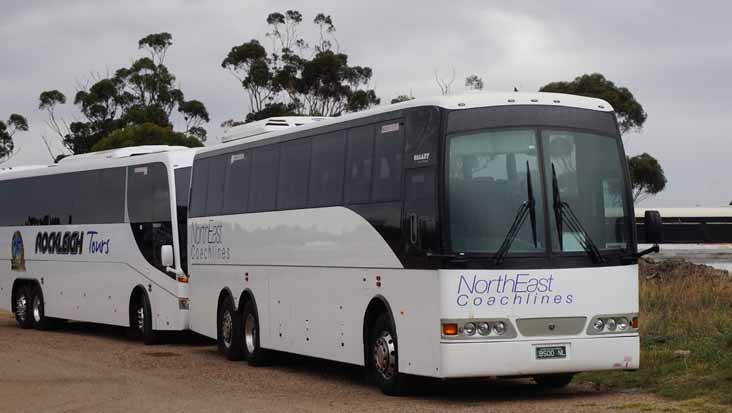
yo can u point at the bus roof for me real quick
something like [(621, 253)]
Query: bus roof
[(453, 102), (175, 156), (689, 212)]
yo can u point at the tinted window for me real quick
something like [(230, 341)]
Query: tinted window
[(237, 183), (263, 186), (292, 186), (109, 206), (326, 171), (358, 165), (148, 196), (215, 189), (182, 186), (387, 172), (198, 188)]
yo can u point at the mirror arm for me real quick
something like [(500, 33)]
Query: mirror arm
[(654, 248)]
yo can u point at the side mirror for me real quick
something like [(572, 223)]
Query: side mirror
[(653, 226), (166, 255)]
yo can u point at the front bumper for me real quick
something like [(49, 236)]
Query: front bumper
[(518, 358)]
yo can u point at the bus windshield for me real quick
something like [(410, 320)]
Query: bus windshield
[(487, 190)]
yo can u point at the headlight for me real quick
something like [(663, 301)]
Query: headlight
[(623, 324), (499, 328), (611, 324), (484, 328), (469, 329), (598, 324)]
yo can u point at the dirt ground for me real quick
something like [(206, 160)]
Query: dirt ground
[(90, 368)]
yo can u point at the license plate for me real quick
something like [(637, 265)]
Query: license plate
[(555, 352)]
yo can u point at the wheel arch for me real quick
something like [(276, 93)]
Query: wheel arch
[(246, 296), (19, 282), (377, 306), (135, 295)]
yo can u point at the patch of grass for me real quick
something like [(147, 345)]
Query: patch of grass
[(691, 312)]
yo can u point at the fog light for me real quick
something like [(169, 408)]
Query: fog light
[(469, 329), (610, 324), (623, 324), (598, 324), (484, 328), (499, 328)]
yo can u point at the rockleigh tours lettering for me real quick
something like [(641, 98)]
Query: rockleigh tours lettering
[(514, 290), (207, 242), (61, 243)]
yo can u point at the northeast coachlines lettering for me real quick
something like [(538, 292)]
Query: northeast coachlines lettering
[(504, 290), (64, 243)]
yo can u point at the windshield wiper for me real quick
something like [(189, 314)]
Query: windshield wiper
[(526, 208), (563, 212)]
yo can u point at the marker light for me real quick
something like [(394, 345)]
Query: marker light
[(450, 329), (484, 328), (635, 322), (598, 324), (623, 324), (499, 328), (611, 324), (469, 329)]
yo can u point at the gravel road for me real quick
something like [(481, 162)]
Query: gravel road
[(89, 368)]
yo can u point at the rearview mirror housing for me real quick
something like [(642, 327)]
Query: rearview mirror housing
[(166, 255), (653, 226)]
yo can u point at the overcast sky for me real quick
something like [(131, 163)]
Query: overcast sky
[(676, 57)]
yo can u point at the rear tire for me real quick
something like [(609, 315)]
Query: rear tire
[(141, 320), (38, 311), (22, 306), (383, 358), (253, 352), (554, 381), (229, 335)]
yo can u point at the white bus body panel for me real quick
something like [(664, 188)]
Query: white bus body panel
[(313, 273)]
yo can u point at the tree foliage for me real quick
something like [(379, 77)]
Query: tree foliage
[(402, 98), (647, 176), (629, 111), (146, 92), (8, 129), (145, 134), (473, 82), (293, 78)]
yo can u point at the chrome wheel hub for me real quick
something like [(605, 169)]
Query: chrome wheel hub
[(37, 308), (141, 318), (385, 355), (250, 332), (227, 325), (21, 307)]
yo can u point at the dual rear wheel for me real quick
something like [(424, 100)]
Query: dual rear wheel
[(30, 308), (238, 333)]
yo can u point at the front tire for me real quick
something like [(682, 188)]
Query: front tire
[(22, 305), (554, 381), (141, 320), (230, 339), (383, 358), (253, 352), (38, 311)]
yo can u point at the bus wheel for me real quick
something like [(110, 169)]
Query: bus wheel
[(383, 363), (253, 353), (38, 311), (229, 331), (23, 316), (141, 320), (554, 381)]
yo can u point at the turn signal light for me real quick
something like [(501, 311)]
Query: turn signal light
[(635, 322), (450, 329)]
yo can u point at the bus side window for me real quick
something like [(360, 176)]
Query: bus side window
[(215, 186), (263, 187), (236, 195), (326, 169), (292, 186), (359, 164), (198, 188), (387, 173)]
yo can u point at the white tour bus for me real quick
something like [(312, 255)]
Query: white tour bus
[(465, 236), (100, 238)]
